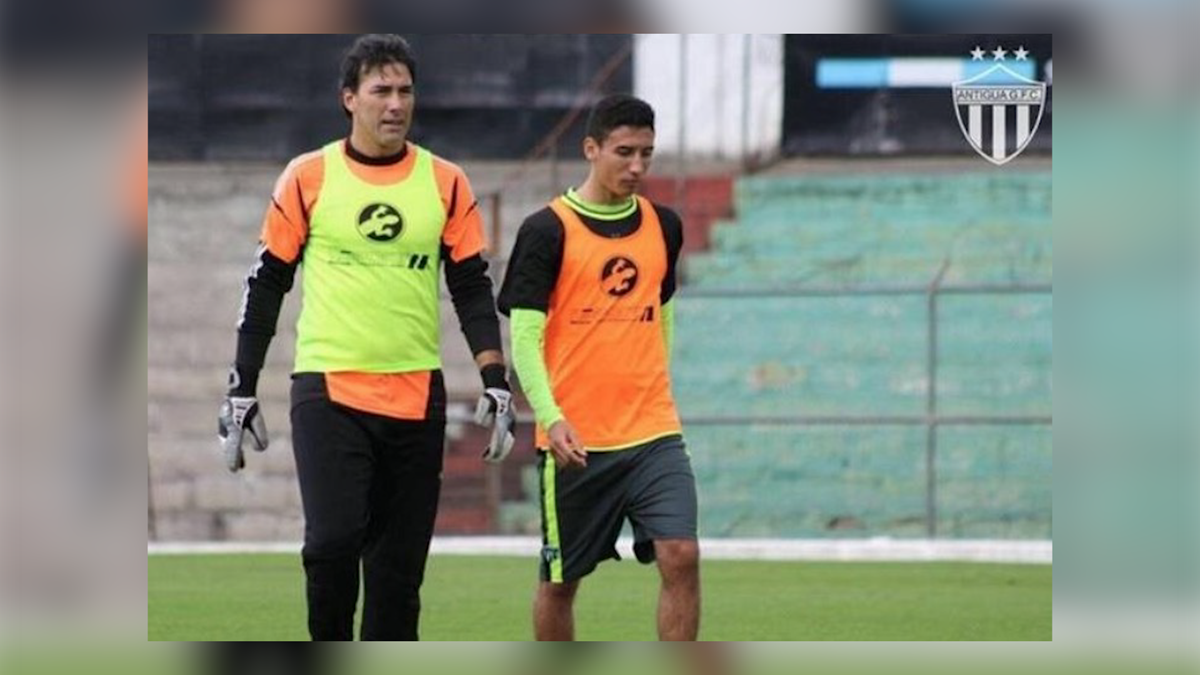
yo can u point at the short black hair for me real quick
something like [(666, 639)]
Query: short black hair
[(372, 51), (618, 110)]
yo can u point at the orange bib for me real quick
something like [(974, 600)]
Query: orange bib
[(604, 342)]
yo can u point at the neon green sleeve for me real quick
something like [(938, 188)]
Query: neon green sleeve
[(668, 326), (528, 328)]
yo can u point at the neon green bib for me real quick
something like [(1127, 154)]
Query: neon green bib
[(370, 271)]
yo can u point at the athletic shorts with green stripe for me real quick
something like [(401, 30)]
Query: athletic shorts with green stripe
[(583, 510)]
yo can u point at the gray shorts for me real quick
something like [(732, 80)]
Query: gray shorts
[(583, 509)]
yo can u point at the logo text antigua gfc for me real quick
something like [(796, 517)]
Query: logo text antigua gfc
[(1000, 106)]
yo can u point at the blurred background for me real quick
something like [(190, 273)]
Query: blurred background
[(864, 325)]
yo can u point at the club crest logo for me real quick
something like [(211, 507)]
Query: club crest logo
[(380, 222), (1000, 107), (619, 276)]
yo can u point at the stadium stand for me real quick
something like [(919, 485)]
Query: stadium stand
[(848, 354)]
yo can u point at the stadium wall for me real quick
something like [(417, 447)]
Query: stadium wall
[(732, 92)]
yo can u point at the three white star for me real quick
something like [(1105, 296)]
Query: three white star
[(998, 54)]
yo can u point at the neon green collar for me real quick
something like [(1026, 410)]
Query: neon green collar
[(600, 211)]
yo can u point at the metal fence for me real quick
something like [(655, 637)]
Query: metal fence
[(932, 418)]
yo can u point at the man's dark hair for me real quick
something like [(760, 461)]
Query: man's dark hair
[(372, 51), (618, 110)]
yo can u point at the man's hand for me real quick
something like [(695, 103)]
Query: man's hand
[(495, 409), (239, 415), (565, 445)]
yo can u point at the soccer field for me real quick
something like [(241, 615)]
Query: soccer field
[(261, 597)]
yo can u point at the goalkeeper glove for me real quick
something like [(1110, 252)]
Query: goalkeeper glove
[(495, 409), (239, 415)]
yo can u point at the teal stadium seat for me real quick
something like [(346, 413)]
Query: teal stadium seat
[(866, 355)]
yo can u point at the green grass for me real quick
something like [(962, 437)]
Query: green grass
[(261, 597)]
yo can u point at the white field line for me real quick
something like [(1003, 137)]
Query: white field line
[(830, 550)]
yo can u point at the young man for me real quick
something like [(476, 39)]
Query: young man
[(372, 217), (588, 288)]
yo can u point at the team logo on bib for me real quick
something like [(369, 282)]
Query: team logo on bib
[(380, 222), (619, 276)]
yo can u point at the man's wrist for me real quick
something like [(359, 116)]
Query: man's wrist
[(551, 418), (495, 376), (243, 381)]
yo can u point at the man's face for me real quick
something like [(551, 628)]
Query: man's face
[(382, 108), (622, 160)]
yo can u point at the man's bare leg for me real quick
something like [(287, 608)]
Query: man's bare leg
[(553, 611), (679, 600)]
